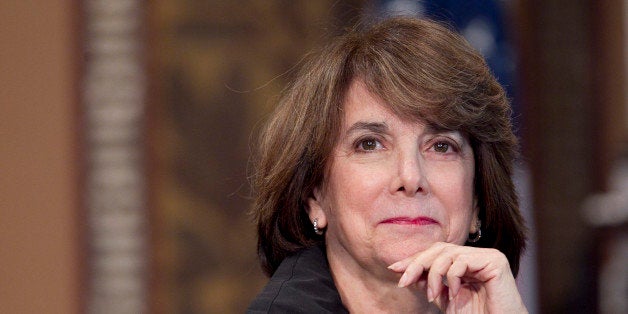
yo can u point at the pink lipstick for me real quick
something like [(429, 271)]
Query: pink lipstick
[(421, 221)]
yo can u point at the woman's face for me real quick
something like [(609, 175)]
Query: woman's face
[(393, 187)]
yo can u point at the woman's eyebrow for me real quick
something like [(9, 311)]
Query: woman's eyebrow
[(375, 127), (431, 129)]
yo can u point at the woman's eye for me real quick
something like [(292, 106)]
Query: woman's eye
[(369, 144), (441, 147)]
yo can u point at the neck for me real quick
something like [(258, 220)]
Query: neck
[(364, 291)]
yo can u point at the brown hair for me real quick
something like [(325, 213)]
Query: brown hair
[(423, 71)]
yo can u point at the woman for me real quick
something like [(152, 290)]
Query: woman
[(383, 180)]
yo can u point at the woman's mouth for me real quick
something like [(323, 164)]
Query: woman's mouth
[(420, 221)]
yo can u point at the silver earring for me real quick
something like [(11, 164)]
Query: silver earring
[(475, 237), (316, 230)]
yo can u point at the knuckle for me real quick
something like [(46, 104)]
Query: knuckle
[(499, 257)]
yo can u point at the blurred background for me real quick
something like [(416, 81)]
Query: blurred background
[(126, 128)]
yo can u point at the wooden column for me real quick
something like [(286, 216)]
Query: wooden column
[(39, 212), (569, 66)]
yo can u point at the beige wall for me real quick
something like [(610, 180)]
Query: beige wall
[(39, 268)]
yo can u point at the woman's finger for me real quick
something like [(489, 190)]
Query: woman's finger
[(440, 270), (414, 266), (436, 275), (442, 302), (480, 272), (412, 273), (454, 276)]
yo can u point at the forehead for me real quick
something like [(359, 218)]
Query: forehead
[(360, 104)]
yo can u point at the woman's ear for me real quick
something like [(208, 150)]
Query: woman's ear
[(316, 208)]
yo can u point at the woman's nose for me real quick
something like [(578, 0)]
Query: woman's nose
[(411, 175)]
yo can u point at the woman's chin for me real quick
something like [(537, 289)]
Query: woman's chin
[(394, 251)]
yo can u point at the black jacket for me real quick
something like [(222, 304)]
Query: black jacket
[(301, 284)]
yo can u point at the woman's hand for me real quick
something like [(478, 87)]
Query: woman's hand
[(463, 279)]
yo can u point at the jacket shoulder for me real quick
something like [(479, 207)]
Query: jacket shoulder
[(301, 284)]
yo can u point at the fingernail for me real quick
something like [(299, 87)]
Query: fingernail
[(430, 295), (393, 266), (402, 281), (451, 294)]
